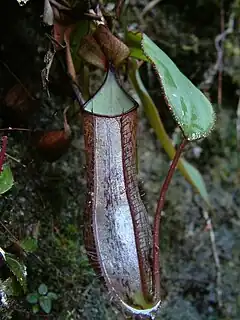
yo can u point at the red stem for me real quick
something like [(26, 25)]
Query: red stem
[(3, 152), (156, 272)]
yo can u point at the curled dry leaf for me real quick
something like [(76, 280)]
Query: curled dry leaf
[(61, 13), (114, 49), (53, 144), (118, 7), (69, 60), (48, 17), (16, 96), (20, 102), (91, 52)]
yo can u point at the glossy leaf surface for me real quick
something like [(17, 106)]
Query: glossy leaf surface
[(42, 289), (189, 106), (32, 297), (18, 269), (6, 179), (133, 40), (191, 174), (45, 303)]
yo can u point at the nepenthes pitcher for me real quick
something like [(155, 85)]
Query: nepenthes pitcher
[(118, 236)]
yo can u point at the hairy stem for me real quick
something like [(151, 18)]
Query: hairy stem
[(156, 272)]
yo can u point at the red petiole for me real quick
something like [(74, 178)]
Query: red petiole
[(3, 152), (156, 230)]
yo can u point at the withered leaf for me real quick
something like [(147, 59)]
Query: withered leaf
[(114, 49), (91, 52)]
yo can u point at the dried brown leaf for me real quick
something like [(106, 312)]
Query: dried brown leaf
[(114, 49), (91, 52)]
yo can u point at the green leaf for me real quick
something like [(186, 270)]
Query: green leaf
[(42, 289), (18, 269), (191, 174), (189, 106), (6, 179), (111, 99), (52, 295), (81, 29), (133, 40), (197, 180), (11, 287), (35, 308), (2, 254), (7, 287), (29, 244), (45, 303), (32, 297)]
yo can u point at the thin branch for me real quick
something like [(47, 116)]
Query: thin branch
[(210, 74), (161, 201), (238, 123), (216, 258), (59, 5), (15, 129), (149, 7), (9, 232), (93, 16), (18, 80), (16, 160), (222, 24), (78, 94)]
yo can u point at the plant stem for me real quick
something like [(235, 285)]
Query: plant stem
[(18, 80), (16, 160), (3, 152), (156, 272), (15, 129)]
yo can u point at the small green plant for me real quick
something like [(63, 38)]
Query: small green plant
[(41, 299)]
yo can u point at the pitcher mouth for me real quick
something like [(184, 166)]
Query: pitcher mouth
[(149, 313)]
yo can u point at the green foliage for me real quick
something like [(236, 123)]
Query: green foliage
[(191, 110), (42, 289), (18, 269), (9, 287), (189, 106), (32, 297), (17, 283), (133, 40), (80, 30), (45, 303), (6, 179), (42, 298), (189, 172), (29, 244)]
